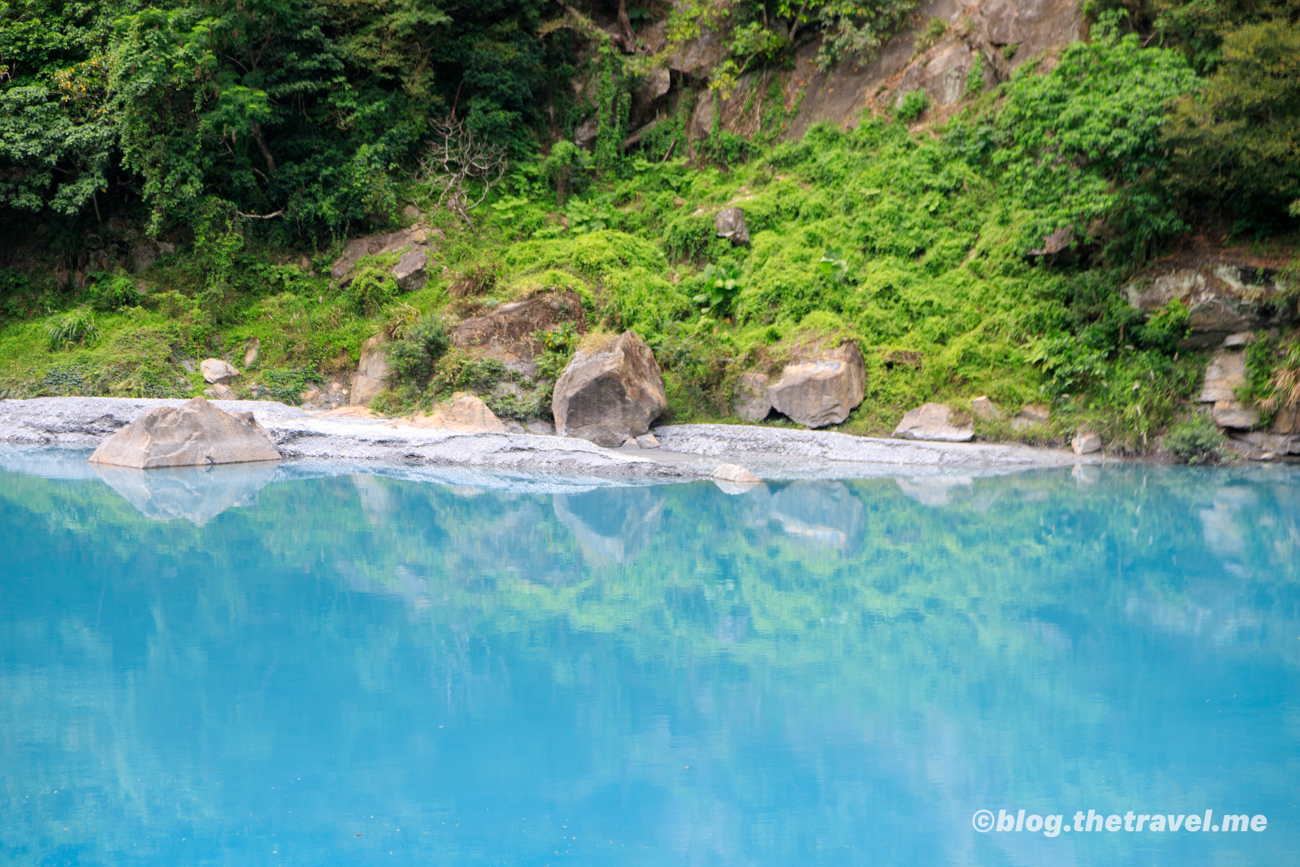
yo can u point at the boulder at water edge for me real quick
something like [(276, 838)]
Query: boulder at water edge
[(464, 413), (610, 395), (823, 389), (194, 434), (931, 422)]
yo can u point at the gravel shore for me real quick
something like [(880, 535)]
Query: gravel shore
[(686, 451)]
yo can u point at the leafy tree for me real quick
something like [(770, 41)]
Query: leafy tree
[(1236, 142), (1082, 146)]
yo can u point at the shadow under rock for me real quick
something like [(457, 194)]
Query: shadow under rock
[(195, 494)]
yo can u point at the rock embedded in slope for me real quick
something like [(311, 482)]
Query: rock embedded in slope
[(410, 270), (750, 400), (1225, 373), (729, 223), (216, 371), (507, 333), (1223, 298), (823, 389), (932, 422), (611, 394), (374, 245), (194, 434), (984, 408), (1085, 442)]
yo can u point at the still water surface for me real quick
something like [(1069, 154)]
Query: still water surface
[(265, 667)]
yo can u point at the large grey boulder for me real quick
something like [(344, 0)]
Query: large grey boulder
[(193, 434), (932, 422), (610, 395), (411, 270), (372, 371), (823, 389)]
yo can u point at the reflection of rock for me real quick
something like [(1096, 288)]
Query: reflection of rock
[(933, 491), (1086, 474), (376, 499), (612, 525), (734, 479), (195, 494), (824, 512), (193, 434), (1223, 531)]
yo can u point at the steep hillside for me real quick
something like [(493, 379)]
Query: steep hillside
[(979, 201)]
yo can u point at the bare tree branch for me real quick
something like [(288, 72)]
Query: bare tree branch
[(458, 165)]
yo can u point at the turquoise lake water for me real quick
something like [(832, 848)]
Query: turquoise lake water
[(285, 666)]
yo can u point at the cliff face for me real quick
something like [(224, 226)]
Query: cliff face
[(982, 40)]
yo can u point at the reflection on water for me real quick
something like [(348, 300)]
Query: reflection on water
[(812, 673), (194, 494)]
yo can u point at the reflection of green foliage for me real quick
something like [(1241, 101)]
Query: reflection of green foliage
[(834, 602)]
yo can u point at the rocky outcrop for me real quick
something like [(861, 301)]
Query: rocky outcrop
[(411, 270), (750, 400), (821, 389), (194, 434), (1031, 414), (1223, 298), (1225, 373), (464, 413), (611, 394), (729, 223), (372, 371), (507, 333), (215, 371), (932, 422)]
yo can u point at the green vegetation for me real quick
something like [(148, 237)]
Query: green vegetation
[(256, 137)]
